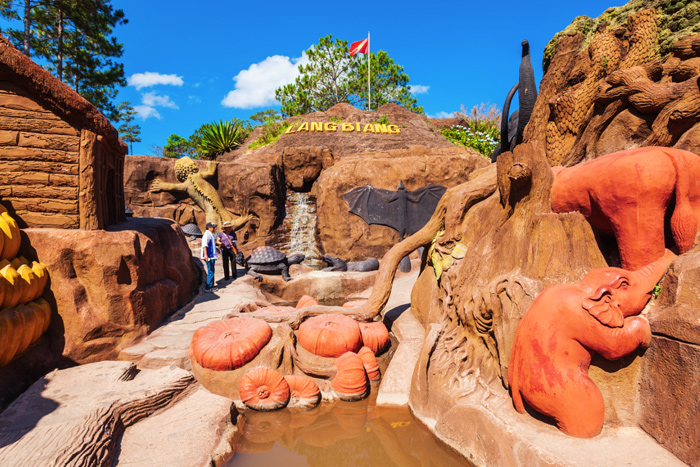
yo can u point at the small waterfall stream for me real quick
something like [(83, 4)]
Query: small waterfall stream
[(300, 226)]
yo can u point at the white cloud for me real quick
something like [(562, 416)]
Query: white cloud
[(145, 111), (255, 87), (419, 89), (149, 102), (194, 100), (149, 78), (442, 115), (152, 99)]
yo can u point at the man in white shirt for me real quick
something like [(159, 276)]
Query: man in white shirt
[(209, 254)]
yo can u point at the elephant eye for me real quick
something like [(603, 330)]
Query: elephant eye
[(622, 283)]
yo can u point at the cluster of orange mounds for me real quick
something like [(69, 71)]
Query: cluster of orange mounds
[(231, 344), (333, 335), (24, 315), (265, 389)]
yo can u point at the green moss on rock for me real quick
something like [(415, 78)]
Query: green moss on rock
[(676, 19)]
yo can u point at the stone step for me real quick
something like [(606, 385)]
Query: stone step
[(195, 431)]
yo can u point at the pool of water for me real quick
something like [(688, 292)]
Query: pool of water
[(352, 434)]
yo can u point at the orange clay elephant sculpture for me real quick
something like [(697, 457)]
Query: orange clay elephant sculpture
[(627, 194), (564, 327)]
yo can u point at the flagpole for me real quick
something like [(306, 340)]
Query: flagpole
[(369, 66)]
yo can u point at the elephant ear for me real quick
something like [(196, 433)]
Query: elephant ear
[(605, 310)]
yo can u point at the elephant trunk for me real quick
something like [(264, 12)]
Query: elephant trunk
[(649, 275)]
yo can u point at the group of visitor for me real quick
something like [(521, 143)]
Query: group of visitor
[(226, 241)]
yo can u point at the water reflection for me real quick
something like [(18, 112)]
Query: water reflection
[(348, 434)]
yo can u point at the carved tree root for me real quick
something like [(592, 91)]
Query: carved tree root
[(463, 196)]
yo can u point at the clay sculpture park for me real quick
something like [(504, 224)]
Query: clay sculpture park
[(345, 279)]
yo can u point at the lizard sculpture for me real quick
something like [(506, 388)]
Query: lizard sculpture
[(193, 182)]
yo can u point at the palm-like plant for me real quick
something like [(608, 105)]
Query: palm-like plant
[(219, 137)]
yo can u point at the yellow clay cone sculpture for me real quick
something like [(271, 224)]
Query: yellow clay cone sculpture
[(15, 323), (46, 313), (10, 231), (42, 274), (14, 285), (27, 330), (31, 284), (7, 336)]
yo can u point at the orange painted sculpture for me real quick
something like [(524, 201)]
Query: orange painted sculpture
[(330, 335), (627, 194), (564, 327)]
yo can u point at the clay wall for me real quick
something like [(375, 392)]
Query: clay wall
[(54, 174), (39, 162)]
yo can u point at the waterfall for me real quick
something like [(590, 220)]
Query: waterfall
[(300, 224)]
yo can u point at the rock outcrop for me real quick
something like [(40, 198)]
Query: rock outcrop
[(627, 79), (317, 155), (77, 417), (348, 236), (112, 287)]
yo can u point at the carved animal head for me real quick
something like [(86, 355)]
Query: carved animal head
[(617, 293), (184, 167), (295, 259)]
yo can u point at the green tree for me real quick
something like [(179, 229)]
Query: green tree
[(389, 83), (176, 146), (129, 131), (20, 10), (74, 38), (332, 76), (265, 116)]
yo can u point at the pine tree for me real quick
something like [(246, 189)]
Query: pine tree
[(74, 39), (128, 130), (332, 76)]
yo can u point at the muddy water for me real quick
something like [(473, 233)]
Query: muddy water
[(356, 434)]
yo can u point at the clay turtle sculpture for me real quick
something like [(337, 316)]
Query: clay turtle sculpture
[(337, 264), (268, 260)]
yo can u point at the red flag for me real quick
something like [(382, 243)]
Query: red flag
[(360, 47)]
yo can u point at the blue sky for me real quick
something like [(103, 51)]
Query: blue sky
[(191, 63)]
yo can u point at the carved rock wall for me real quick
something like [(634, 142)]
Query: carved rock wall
[(348, 236), (111, 287), (615, 92), (38, 161), (324, 164), (257, 186), (670, 371), (515, 248)]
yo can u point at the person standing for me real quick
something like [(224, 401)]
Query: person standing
[(209, 254), (229, 250)]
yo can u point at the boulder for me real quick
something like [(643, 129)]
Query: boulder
[(111, 287), (346, 235), (259, 187), (303, 165), (670, 369)]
